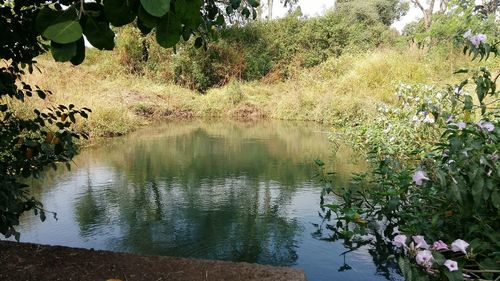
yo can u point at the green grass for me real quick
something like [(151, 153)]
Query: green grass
[(340, 91)]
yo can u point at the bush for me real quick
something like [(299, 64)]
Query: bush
[(435, 174), (252, 51)]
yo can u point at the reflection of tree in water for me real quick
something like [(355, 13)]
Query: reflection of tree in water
[(242, 224), (203, 195), (89, 210)]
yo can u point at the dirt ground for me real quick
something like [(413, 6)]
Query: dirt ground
[(33, 262)]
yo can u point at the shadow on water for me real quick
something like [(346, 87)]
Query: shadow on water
[(226, 190)]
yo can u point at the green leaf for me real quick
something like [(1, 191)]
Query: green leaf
[(198, 42), (220, 20), (454, 276), (319, 162), (41, 94), (468, 103), (405, 266), (80, 52), (147, 19), (99, 34), (120, 12), (186, 33), (254, 3), (188, 12), (59, 26), (477, 189), (64, 32), (495, 199), (169, 30), (157, 8), (235, 4), (245, 12), (143, 28), (63, 52), (46, 17), (461, 70), (438, 257)]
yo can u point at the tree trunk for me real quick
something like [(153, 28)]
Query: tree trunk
[(270, 9), (259, 11), (427, 12)]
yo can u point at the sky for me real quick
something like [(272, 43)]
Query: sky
[(318, 7)]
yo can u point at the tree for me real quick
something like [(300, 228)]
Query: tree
[(429, 8), (382, 11), (270, 5), (29, 144)]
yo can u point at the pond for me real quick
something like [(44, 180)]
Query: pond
[(218, 189)]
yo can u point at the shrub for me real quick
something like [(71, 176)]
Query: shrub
[(435, 174)]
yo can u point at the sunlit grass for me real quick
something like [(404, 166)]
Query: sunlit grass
[(339, 91)]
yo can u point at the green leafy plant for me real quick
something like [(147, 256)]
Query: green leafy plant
[(441, 184)]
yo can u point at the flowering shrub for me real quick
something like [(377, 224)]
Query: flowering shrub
[(438, 260), (435, 173)]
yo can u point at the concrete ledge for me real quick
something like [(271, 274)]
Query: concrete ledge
[(30, 262)]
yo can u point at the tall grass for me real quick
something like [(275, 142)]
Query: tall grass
[(339, 91)]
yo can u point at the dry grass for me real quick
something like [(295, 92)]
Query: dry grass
[(345, 89)]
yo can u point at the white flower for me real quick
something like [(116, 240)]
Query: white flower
[(419, 177), (429, 119), (468, 34), (451, 265), (477, 39), (419, 239), (439, 96), (399, 241), (474, 41), (415, 119), (424, 258), (488, 126), (461, 125), (396, 230), (459, 245)]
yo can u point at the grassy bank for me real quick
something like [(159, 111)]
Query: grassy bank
[(344, 89)]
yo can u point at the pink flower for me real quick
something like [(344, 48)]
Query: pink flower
[(419, 177), (419, 239), (439, 245), (399, 241), (424, 258), (451, 265), (459, 245)]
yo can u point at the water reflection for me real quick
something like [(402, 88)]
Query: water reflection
[(226, 190)]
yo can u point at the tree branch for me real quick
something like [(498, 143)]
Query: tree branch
[(419, 5)]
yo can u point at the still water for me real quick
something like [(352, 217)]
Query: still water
[(223, 190)]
